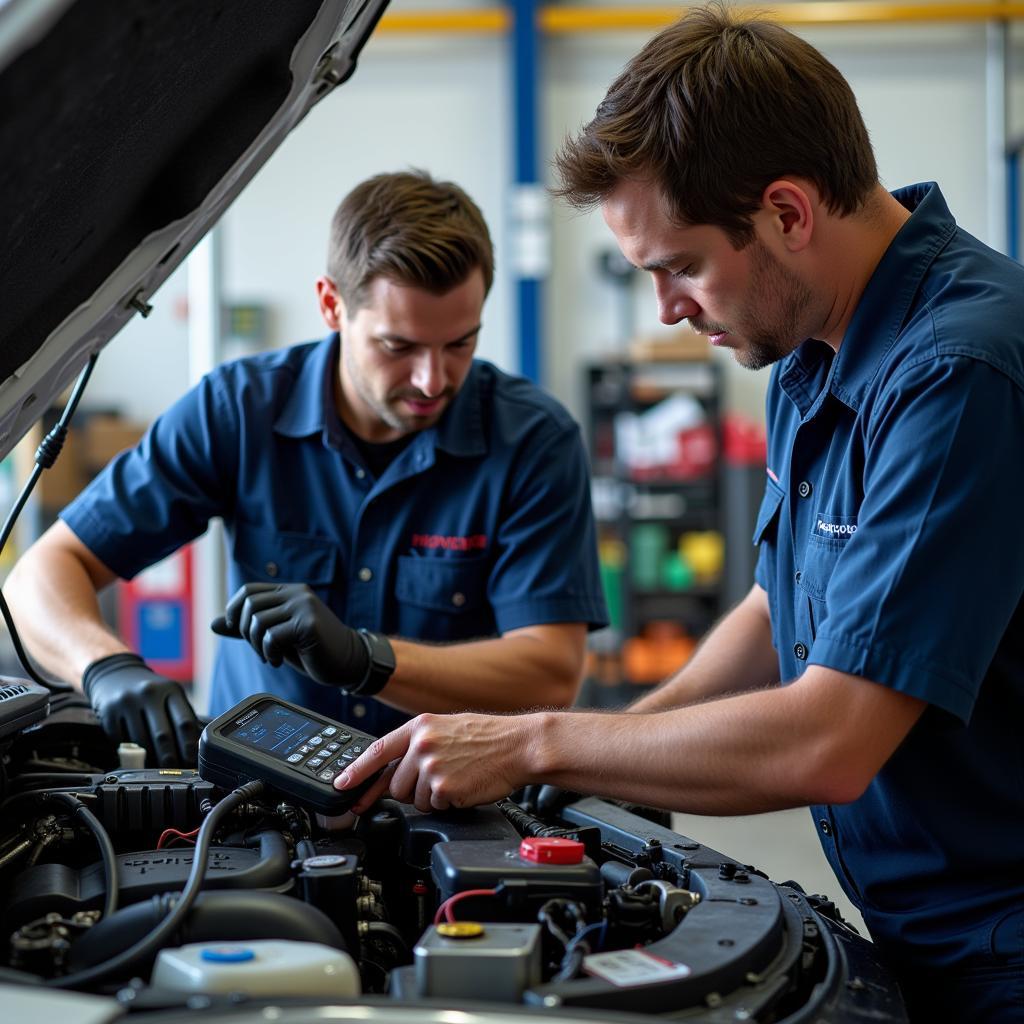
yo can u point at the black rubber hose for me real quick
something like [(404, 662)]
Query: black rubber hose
[(95, 826), (167, 927)]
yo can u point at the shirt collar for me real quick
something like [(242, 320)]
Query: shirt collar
[(460, 430), (310, 407), (883, 308)]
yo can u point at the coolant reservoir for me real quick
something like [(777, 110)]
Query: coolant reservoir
[(264, 967)]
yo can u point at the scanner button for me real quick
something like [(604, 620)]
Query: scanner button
[(326, 776), (295, 758), (329, 731)]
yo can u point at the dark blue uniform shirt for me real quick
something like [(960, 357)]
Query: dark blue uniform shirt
[(481, 525), (891, 549)]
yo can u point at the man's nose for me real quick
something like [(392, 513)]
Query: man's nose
[(674, 305), (428, 376)]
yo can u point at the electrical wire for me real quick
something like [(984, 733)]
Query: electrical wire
[(46, 456), (170, 834), (95, 826), (444, 912), (149, 944)]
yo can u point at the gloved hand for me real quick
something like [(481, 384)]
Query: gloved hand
[(287, 622), (136, 704)]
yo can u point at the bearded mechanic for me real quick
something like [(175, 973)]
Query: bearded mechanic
[(875, 671), (410, 528)]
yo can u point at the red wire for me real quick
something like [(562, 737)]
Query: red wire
[(170, 834), (445, 910)]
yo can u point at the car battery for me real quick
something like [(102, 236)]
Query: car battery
[(468, 960), (536, 870)]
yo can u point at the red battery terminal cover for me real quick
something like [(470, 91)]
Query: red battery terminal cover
[(551, 850)]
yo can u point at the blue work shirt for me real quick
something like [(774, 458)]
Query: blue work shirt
[(481, 525), (891, 550)]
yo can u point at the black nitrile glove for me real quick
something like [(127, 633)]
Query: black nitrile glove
[(136, 704), (287, 622)]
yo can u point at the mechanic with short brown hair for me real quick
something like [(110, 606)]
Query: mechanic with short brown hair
[(875, 671), (410, 528)]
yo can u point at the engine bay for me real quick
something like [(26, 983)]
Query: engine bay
[(589, 908)]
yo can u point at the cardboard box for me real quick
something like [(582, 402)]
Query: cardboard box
[(105, 436)]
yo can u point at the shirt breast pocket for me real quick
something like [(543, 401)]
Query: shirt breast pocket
[(443, 598), (820, 558), (270, 556)]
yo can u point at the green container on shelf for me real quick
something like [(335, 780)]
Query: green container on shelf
[(611, 580), (676, 572), (648, 543)]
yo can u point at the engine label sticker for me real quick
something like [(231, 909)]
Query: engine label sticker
[(626, 967)]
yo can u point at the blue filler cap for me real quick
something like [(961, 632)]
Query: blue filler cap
[(227, 955)]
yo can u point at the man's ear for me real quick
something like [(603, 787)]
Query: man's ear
[(790, 209), (332, 309)]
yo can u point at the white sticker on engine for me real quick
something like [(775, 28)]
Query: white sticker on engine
[(626, 967)]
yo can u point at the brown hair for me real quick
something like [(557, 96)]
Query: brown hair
[(713, 109), (411, 229)]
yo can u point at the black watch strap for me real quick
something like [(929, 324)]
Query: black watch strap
[(381, 667)]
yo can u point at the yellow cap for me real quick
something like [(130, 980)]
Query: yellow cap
[(461, 930)]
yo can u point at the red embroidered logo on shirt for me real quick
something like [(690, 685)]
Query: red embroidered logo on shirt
[(475, 542)]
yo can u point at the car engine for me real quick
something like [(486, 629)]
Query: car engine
[(584, 908)]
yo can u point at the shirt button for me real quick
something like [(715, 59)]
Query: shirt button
[(360, 473), (365, 574), (800, 650), (796, 576), (804, 489), (826, 828), (358, 710), (271, 569), (458, 599)]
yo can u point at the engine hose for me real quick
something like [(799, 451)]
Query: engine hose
[(156, 938), (93, 824)]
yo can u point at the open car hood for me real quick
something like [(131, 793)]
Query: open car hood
[(127, 127)]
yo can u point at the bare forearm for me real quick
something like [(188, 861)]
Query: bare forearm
[(737, 655), (55, 608), (818, 740), (538, 667)]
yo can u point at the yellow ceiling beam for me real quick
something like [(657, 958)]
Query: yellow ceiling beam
[(563, 20)]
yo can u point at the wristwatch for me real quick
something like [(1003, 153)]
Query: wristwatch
[(381, 667)]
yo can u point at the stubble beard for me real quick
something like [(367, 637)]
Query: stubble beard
[(778, 289)]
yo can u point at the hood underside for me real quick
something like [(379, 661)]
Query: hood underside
[(127, 129)]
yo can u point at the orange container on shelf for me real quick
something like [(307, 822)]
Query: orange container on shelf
[(661, 651)]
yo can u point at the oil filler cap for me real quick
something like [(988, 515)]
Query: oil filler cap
[(460, 930), (543, 850)]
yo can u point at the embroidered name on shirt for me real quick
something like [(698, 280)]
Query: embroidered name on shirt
[(475, 542), (837, 527)]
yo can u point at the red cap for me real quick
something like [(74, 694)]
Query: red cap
[(551, 851)]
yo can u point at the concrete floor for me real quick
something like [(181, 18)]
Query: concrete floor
[(783, 844)]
